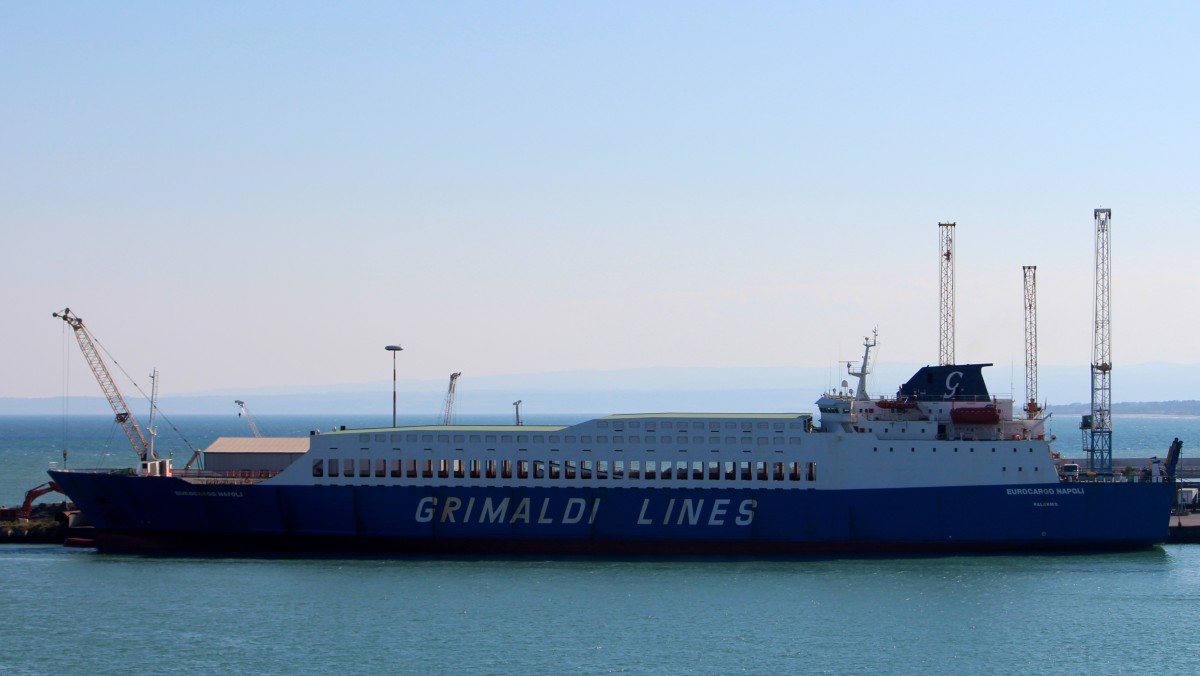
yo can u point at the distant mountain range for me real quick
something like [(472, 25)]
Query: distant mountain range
[(1162, 389)]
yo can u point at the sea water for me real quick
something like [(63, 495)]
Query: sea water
[(76, 611)]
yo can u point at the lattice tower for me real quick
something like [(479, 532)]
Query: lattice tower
[(1031, 406), (1098, 430), (946, 305)]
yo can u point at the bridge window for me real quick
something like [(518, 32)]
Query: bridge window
[(585, 469), (651, 472), (380, 467), (635, 470), (522, 469), (506, 469), (318, 468), (364, 467)]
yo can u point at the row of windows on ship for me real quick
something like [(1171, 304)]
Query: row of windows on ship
[(600, 439), (615, 470)]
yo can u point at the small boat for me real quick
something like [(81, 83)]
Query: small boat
[(975, 415), (896, 404)]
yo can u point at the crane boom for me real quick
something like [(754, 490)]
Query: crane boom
[(108, 386), (249, 418), (448, 407)]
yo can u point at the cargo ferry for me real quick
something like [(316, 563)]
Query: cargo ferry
[(941, 466)]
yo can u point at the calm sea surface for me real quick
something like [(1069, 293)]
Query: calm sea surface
[(76, 612)]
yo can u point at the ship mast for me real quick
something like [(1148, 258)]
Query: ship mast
[(860, 393)]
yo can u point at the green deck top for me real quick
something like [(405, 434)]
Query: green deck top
[(453, 428), (776, 416)]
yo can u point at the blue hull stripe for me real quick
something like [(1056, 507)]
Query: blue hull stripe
[(137, 512)]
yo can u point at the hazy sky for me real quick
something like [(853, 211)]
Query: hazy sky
[(265, 194)]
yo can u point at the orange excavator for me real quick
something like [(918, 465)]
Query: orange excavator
[(23, 512)]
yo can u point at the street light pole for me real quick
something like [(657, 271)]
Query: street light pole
[(393, 349)]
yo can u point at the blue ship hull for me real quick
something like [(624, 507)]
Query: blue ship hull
[(139, 513)]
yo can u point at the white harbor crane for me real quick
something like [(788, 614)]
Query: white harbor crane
[(242, 410), (448, 406), (1097, 425), (124, 417), (1032, 409), (946, 304)]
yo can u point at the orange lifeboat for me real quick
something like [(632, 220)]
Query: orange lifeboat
[(975, 415)]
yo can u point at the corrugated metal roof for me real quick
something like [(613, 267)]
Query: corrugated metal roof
[(259, 445)]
